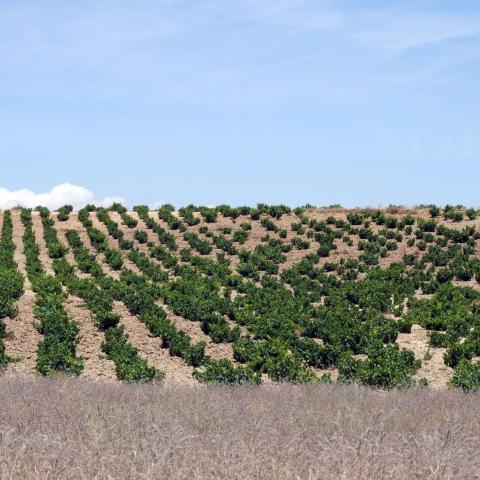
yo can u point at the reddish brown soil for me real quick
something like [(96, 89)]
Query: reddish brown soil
[(150, 348), (112, 243), (38, 230), (89, 346), (23, 338)]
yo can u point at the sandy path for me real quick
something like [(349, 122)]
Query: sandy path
[(18, 255), (38, 231), (89, 346), (22, 337), (127, 232), (113, 243), (142, 247), (74, 224), (433, 369), (62, 228), (256, 234), (90, 339), (152, 236), (192, 329), (150, 348), (181, 242)]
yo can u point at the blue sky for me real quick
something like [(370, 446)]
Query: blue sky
[(278, 101)]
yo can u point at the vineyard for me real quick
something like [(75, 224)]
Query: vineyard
[(385, 298)]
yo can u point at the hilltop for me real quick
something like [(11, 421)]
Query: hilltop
[(381, 297)]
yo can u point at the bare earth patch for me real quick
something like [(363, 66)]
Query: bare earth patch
[(433, 368), (22, 337), (150, 348), (22, 340), (89, 346)]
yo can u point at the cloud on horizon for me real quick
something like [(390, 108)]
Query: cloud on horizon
[(63, 194)]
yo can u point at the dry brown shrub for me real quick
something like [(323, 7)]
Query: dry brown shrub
[(76, 429)]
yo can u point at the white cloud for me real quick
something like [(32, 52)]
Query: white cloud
[(107, 201), (63, 194)]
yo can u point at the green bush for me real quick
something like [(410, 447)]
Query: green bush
[(128, 220), (64, 212), (466, 376), (129, 366), (225, 373), (289, 369), (57, 350), (444, 275), (471, 213), (240, 236), (11, 289), (141, 236), (106, 319), (57, 250), (355, 218), (434, 211), (114, 258), (386, 367)]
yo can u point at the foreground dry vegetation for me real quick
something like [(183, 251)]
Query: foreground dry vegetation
[(386, 298), (78, 429)]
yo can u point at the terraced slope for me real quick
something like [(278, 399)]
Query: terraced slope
[(384, 298)]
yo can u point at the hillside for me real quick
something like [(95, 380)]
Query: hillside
[(242, 295)]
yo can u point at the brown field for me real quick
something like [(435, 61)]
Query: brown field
[(78, 429), (22, 339)]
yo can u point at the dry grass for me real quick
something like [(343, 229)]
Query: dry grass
[(76, 429)]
